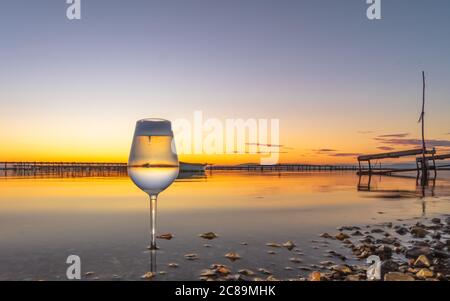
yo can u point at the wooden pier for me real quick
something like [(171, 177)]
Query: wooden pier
[(54, 167), (61, 166), (282, 167), (391, 155)]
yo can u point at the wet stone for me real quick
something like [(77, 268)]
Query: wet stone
[(396, 276), (247, 272), (422, 261), (233, 256), (208, 235), (167, 236), (191, 256), (341, 236), (289, 245)]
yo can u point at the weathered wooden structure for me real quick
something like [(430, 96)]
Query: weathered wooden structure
[(422, 162), (389, 155)]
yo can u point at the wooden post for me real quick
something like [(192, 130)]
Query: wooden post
[(424, 147)]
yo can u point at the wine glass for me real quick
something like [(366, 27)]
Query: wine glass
[(153, 162)]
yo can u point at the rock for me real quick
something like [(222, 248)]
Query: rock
[(384, 252), (436, 220), (303, 268), (232, 256), (271, 252), (289, 245), (208, 235), (402, 231), (208, 273), (424, 273), (326, 263), (246, 272), (221, 269), (357, 233), (191, 256), (387, 240), (315, 276), (87, 274), (342, 268), (415, 252), (377, 230), (326, 235), (396, 276), (422, 262), (436, 235), (441, 254), (207, 245), (421, 243), (447, 220), (418, 232), (167, 236), (341, 236), (148, 275), (348, 228), (173, 265), (352, 278), (388, 266), (264, 271), (271, 278), (295, 259), (273, 245), (235, 277)]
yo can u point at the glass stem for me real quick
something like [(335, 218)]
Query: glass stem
[(153, 199)]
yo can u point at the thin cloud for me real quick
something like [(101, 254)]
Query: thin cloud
[(345, 155), (265, 144), (415, 142), (385, 148), (400, 135), (270, 146), (325, 150)]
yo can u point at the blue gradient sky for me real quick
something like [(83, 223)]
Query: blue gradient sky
[(324, 69)]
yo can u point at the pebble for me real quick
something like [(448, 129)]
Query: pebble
[(232, 256), (315, 276), (208, 235), (167, 236), (191, 256), (247, 272), (295, 259), (424, 273), (422, 261), (397, 276), (289, 245), (148, 275), (341, 236)]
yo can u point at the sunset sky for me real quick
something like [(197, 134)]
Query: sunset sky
[(339, 83)]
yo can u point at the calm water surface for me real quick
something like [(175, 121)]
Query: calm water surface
[(105, 220)]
